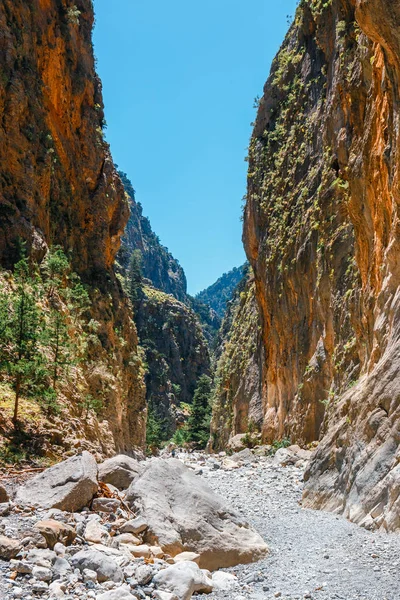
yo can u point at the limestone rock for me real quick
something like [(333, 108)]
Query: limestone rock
[(55, 531), (183, 580), (291, 455), (184, 514), (236, 442), (120, 593), (69, 485), (243, 457), (105, 567), (120, 471), (187, 556), (141, 551), (134, 526), (96, 533), (224, 581), (9, 548)]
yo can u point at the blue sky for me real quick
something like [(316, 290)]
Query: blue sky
[(179, 80)]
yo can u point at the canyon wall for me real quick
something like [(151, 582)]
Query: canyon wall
[(321, 232), (58, 186), (170, 323)]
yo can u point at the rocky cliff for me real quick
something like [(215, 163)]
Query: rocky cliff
[(321, 232), (58, 185), (220, 293), (158, 264), (239, 355), (176, 356)]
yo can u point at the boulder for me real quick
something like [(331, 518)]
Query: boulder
[(183, 580), (237, 442), (69, 485), (9, 548), (105, 567), (120, 471), (54, 532), (243, 457), (184, 514), (291, 455)]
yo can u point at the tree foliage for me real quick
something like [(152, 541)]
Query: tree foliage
[(198, 427), (39, 314)]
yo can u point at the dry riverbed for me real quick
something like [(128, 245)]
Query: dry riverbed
[(313, 554)]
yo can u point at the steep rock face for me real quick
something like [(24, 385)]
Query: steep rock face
[(322, 234), (176, 355), (238, 395), (58, 184), (158, 264)]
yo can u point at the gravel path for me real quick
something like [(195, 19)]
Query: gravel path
[(313, 554)]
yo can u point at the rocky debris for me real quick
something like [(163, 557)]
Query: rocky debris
[(9, 548), (184, 514), (313, 555), (69, 485), (121, 593), (183, 580), (135, 526), (292, 455), (243, 457), (187, 556), (237, 442), (105, 567), (120, 471), (108, 505), (55, 531), (96, 533), (223, 582)]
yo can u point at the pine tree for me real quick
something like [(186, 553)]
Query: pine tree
[(59, 343), (199, 420), (21, 328), (154, 435), (55, 269)]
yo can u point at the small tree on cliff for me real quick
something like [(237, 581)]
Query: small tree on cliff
[(21, 329), (199, 420), (134, 278)]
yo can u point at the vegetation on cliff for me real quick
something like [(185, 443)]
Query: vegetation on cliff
[(220, 293)]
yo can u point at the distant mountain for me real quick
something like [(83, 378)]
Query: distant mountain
[(158, 264), (220, 293)]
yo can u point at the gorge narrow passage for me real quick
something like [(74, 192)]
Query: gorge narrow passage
[(313, 554)]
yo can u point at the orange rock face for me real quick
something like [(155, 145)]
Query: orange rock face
[(58, 184), (321, 232)]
